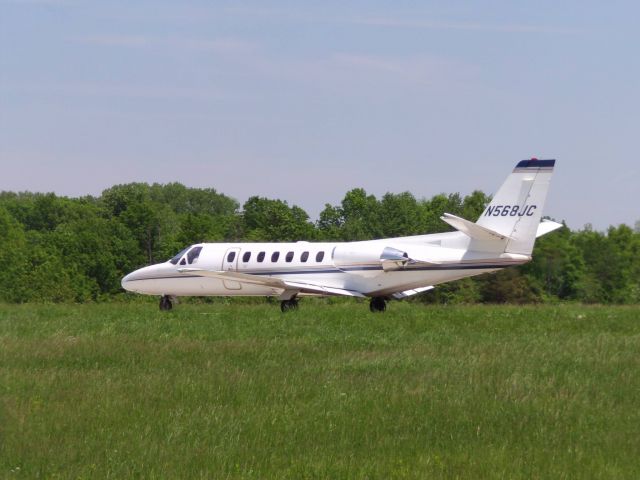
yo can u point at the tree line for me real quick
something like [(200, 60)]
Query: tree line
[(60, 249)]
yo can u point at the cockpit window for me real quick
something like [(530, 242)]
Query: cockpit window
[(177, 258), (193, 254)]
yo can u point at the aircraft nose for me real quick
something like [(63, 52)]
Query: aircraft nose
[(134, 281), (126, 281)]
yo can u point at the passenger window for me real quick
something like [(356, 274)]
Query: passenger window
[(319, 256), (193, 254), (183, 262), (304, 257), (289, 257), (261, 257), (231, 257), (246, 257), (275, 256)]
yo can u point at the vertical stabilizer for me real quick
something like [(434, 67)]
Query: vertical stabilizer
[(516, 209)]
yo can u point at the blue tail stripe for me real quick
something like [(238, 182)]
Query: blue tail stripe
[(535, 163)]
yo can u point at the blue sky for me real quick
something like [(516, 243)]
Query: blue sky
[(303, 101)]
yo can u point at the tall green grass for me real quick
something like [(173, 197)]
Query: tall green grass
[(329, 391)]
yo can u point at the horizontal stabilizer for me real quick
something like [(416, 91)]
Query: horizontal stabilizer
[(273, 282), (471, 229), (547, 226)]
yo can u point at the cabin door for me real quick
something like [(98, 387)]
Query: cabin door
[(230, 263)]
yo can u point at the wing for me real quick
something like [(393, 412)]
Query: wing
[(409, 293), (289, 288)]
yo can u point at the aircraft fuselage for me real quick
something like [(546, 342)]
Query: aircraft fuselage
[(350, 266), (503, 236)]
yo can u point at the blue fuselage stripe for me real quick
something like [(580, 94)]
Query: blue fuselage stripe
[(263, 273)]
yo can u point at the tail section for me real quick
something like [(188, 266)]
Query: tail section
[(516, 209)]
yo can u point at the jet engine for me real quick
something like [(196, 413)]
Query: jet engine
[(367, 259)]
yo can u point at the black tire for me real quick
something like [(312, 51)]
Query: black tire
[(377, 304), (287, 305), (165, 303), (284, 306)]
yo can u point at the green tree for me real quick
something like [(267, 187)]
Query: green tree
[(557, 268), (508, 286), (473, 205), (609, 264), (153, 224), (100, 249), (273, 220), (399, 215), (197, 201), (466, 290), (12, 255), (360, 216), (431, 211), (330, 224)]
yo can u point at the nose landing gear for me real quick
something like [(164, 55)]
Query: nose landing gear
[(378, 304), (165, 303)]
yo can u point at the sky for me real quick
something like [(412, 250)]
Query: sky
[(303, 101)]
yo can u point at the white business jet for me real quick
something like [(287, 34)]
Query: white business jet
[(389, 268)]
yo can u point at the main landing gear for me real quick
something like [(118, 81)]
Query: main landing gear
[(165, 303), (378, 304), (286, 305)]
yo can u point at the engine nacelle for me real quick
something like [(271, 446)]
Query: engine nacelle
[(367, 259)]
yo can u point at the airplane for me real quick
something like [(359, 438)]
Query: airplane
[(381, 270)]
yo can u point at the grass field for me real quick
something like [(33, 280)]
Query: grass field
[(329, 391)]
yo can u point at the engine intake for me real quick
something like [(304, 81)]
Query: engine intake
[(393, 259)]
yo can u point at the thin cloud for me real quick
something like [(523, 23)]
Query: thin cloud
[(400, 23), (370, 62), (360, 74), (411, 69), (221, 45), (463, 26), (131, 41), (41, 3), (154, 92)]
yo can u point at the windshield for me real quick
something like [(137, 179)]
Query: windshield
[(177, 258), (193, 254)]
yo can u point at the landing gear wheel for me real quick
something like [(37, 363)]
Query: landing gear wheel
[(377, 304), (165, 303), (286, 305)]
